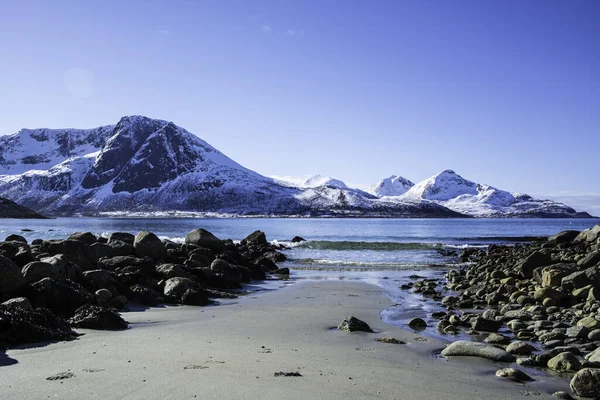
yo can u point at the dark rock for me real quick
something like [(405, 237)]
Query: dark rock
[(233, 276), (257, 238), (10, 276), (37, 270), (275, 256), (590, 259), (15, 238), (166, 271), (298, 239), (74, 250), (147, 244), (121, 237), (353, 324), (22, 326), (22, 302), (586, 383), (86, 237), (564, 362), (195, 297), (203, 238), (143, 295), (96, 317), (564, 237), (486, 325), (176, 287), (64, 268), (62, 297), (417, 324)]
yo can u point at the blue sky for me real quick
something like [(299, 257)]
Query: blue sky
[(504, 92)]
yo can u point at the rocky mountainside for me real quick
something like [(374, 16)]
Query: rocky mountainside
[(466, 197), (10, 209), (143, 165)]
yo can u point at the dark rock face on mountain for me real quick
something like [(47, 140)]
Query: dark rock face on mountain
[(10, 209)]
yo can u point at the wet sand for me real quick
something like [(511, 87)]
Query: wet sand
[(233, 350)]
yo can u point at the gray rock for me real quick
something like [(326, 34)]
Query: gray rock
[(589, 322), (496, 338), (257, 238), (594, 335), (590, 260), (473, 349), (564, 236), (564, 362), (147, 244), (594, 356), (563, 395), (586, 383), (513, 374), (121, 237), (520, 348), (353, 324)]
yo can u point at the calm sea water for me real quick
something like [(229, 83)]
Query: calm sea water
[(383, 252)]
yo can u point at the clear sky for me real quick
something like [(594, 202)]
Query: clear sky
[(503, 92)]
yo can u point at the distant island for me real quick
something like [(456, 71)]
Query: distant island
[(150, 167)]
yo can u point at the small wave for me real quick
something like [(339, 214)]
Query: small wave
[(466, 246), (382, 246), (317, 263)]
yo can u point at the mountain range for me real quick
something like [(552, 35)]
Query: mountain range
[(147, 166)]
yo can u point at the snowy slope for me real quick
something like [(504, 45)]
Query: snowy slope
[(392, 186), (461, 195), (319, 180)]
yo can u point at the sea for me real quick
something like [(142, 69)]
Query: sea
[(383, 252)]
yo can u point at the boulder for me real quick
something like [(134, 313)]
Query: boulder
[(10, 276), (110, 250), (97, 317), (166, 271), (176, 287), (195, 297), (257, 238), (233, 276), (64, 268), (147, 244), (589, 235), (75, 251), (62, 297), (353, 324), (15, 238), (534, 260), (564, 237), (589, 260), (496, 338), (564, 362), (298, 239), (121, 237), (22, 302), (594, 356), (513, 374), (144, 295), (474, 349), (21, 326), (417, 324), (586, 382), (520, 348), (37, 270), (541, 294), (86, 237), (589, 322), (203, 238), (486, 325), (552, 276)]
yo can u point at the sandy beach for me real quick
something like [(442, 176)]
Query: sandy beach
[(233, 351)]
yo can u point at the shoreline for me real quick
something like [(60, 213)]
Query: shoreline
[(225, 357)]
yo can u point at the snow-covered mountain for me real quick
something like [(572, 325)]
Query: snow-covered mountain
[(148, 166), (392, 186), (319, 180), (466, 197), (143, 165)]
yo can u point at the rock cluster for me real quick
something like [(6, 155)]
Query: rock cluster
[(49, 286), (540, 302)]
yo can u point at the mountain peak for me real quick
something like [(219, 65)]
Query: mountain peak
[(320, 180), (394, 185)]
